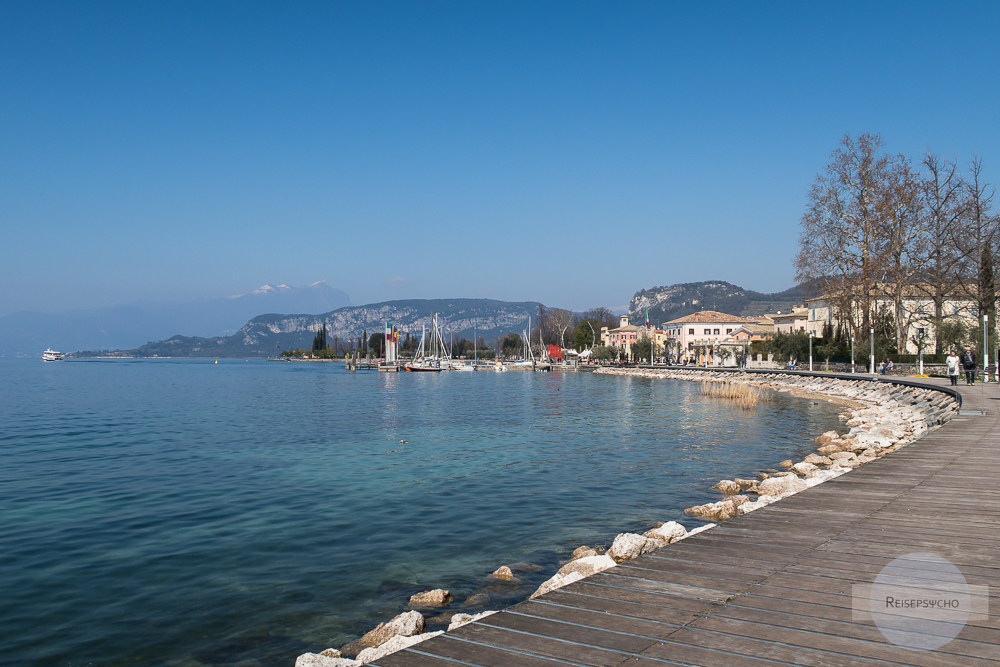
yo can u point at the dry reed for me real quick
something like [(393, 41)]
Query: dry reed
[(745, 396)]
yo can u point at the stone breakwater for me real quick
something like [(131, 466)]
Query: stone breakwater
[(879, 418)]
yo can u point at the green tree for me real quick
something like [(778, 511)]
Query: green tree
[(319, 341), (787, 346), (588, 333), (511, 345), (606, 353), (376, 343), (952, 334)]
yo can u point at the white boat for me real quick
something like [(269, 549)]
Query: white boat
[(51, 355), (434, 360)]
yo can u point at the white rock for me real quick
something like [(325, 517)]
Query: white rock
[(589, 565), (630, 545), (746, 508), (556, 581), (458, 620), (435, 598), (317, 660), (671, 531), (781, 486), (695, 531), (804, 467), (726, 486), (574, 571), (397, 643)]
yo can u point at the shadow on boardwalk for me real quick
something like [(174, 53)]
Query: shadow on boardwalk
[(777, 585)]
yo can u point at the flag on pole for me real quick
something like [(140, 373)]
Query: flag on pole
[(388, 331), (647, 318)]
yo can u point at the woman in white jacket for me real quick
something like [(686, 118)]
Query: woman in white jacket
[(952, 362)]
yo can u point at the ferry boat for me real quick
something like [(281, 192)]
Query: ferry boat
[(51, 355)]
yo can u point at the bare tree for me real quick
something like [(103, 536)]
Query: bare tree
[(906, 242), (559, 320), (850, 230), (943, 203), (977, 241)]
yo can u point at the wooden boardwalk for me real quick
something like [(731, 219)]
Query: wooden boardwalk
[(775, 586)]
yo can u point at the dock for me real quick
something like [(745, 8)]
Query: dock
[(778, 585)]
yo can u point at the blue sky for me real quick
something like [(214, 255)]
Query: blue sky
[(567, 152)]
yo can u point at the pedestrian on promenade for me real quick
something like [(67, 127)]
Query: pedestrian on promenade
[(969, 365), (952, 361)]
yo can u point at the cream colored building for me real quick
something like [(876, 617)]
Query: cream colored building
[(795, 320), (917, 316), (699, 336)]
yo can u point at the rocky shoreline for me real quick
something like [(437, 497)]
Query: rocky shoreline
[(880, 417)]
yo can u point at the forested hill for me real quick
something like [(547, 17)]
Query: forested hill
[(268, 335), (673, 301)]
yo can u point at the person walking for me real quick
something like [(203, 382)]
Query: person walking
[(969, 365), (952, 361)]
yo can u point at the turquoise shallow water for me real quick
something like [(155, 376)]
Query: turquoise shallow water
[(180, 512)]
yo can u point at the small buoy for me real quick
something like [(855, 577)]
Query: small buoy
[(404, 442), (216, 361)]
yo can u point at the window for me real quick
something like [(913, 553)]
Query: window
[(729, 331), (716, 332), (690, 332), (708, 332)]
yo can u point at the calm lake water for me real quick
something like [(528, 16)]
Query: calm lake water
[(181, 512)]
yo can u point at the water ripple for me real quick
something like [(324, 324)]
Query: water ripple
[(171, 512)]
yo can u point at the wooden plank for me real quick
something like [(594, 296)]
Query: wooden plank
[(875, 650), (579, 635), (737, 649), (516, 642), (624, 609), (667, 587), (411, 658), (656, 599), (596, 619), (451, 650)]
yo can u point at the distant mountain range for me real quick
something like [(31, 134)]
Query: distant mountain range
[(209, 328), (673, 301), (268, 335), (129, 326)]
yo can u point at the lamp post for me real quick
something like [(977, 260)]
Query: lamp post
[(986, 349), (811, 334), (852, 355), (871, 339)]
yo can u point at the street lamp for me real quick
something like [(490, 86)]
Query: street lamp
[(852, 355), (811, 334), (871, 339), (986, 350)]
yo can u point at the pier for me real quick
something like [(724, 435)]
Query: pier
[(776, 586)]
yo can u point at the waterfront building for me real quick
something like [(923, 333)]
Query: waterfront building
[(625, 335), (911, 314), (699, 337), (795, 320)]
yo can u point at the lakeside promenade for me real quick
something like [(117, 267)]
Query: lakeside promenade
[(778, 585)]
